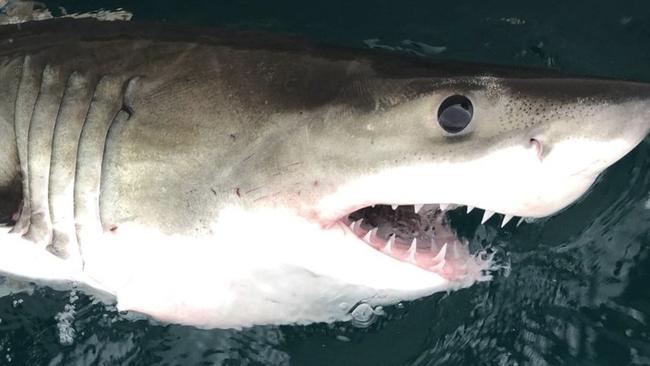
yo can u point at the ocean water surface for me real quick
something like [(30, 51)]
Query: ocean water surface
[(578, 288)]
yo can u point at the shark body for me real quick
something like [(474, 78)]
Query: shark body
[(229, 179)]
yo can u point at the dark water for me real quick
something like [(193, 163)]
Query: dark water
[(579, 289)]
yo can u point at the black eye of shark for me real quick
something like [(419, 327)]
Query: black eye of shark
[(455, 114)]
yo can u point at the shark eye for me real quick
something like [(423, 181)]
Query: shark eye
[(455, 114)]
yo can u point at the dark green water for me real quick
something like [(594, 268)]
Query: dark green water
[(579, 288)]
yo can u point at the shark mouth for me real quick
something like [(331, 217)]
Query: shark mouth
[(422, 236)]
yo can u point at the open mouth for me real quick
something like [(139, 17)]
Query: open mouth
[(422, 235)]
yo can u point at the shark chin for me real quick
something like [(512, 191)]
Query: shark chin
[(229, 179)]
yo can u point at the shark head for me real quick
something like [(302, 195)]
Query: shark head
[(520, 147), (363, 203)]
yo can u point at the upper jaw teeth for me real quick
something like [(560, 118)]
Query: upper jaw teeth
[(487, 214), (506, 218)]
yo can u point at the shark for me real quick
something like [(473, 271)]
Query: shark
[(225, 179)]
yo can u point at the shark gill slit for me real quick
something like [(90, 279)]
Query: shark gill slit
[(103, 112), (11, 73), (67, 131), (41, 132), (28, 89), (112, 137)]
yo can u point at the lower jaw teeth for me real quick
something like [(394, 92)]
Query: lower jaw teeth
[(419, 234), (405, 235)]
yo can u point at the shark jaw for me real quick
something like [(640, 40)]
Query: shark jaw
[(519, 181), (421, 235)]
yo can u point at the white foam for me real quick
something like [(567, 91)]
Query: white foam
[(18, 11), (65, 320)]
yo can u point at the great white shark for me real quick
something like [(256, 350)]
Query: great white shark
[(227, 179)]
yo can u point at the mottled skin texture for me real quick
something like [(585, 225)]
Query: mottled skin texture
[(184, 123)]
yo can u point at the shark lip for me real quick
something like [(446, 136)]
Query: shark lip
[(422, 236)]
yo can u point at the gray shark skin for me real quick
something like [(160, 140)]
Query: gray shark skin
[(227, 179)]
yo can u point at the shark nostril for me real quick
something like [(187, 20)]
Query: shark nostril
[(539, 147)]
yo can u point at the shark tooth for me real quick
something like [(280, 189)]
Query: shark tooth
[(441, 254), (486, 216), (520, 221), (412, 250), (370, 235), (389, 245), (469, 208), (417, 208), (394, 207), (506, 218), (356, 225), (455, 251), (438, 267)]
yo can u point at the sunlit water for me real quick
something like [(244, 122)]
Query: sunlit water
[(578, 292)]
